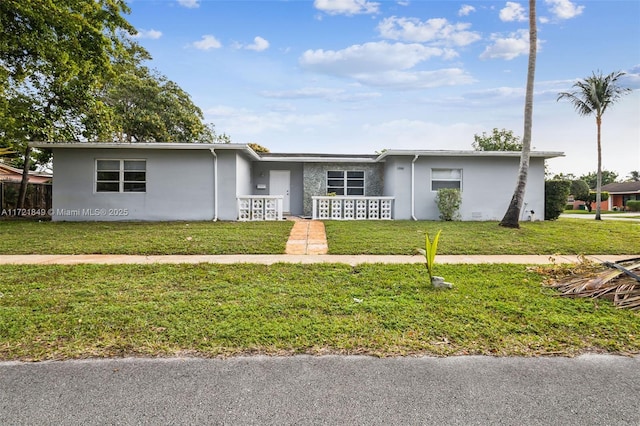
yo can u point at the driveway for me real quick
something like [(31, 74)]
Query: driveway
[(327, 390)]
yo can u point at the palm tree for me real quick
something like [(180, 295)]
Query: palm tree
[(512, 216), (634, 176), (592, 96)]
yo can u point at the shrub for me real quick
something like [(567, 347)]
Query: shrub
[(568, 207), (555, 198), (448, 201), (633, 205)]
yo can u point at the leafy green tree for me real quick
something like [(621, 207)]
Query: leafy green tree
[(590, 198), (592, 96), (564, 176), (257, 147), (634, 176), (579, 189), (498, 140), (607, 177), (511, 217), (54, 55)]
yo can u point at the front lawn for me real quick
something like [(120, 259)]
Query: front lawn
[(61, 312), (563, 236), (144, 238)]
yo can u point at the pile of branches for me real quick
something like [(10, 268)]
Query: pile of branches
[(618, 282)]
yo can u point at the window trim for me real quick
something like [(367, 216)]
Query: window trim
[(345, 182), (446, 180), (121, 172)]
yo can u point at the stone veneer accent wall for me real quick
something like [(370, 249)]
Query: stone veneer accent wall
[(315, 179)]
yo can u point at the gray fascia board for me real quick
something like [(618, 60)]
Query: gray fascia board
[(466, 153), (148, 145), (285, 159)]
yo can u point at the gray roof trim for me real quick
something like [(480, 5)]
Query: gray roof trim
[(318, 159), (148, 145), (465, 153)]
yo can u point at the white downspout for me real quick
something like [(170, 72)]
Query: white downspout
[(215, 184), (413, 186)]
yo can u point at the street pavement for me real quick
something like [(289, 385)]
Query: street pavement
[(325, 390)]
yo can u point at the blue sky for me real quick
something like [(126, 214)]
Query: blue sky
[(358, 76)]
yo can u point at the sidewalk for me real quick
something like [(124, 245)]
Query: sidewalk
[(270, 259)]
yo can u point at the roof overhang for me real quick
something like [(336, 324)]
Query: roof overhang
[(245, 149), (465, 153), (284, 158)]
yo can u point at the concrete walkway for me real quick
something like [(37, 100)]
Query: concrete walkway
[(307, 237)]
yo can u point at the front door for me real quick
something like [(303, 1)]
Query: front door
[(279, 184)]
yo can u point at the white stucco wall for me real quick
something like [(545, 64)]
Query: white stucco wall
[(179, 186), (487, 186)]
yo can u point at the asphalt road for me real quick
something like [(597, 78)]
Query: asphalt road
[(328, 390)]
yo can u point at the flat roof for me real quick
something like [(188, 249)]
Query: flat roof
[(293, 157), (465, 153), (148, 145)]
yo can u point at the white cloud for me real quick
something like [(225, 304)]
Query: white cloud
[(207, 42), (415, 80), (346, 7), (151, 34), (437, 30), (383, 64), (191, 4), (410, 134), (509, 47), (244, 124), (333, 95), (513, 12), (368, 57), (564, 9), (259, 44), (465, 10)]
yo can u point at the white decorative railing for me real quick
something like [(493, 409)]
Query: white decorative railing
[(259, 207), (352, 208)]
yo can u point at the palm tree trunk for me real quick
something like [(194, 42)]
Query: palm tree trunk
[(599, 173), (512, 216)]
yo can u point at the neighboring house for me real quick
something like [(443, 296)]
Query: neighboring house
[(620, 193), (12, 174), (193, 181)]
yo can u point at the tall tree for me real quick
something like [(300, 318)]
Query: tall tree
[(511, 218), (606, 178), (54, 55), (592, 96), (498, 140), (634, 176)]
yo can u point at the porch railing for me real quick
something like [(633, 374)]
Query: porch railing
[(352, 208), (260, 207)]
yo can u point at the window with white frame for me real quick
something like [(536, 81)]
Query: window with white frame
[(345, 182), (121, 175), (446, 178)]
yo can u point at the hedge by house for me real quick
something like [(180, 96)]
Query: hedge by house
[(556, 193)]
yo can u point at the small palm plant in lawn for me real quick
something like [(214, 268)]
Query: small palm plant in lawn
[(429, 253)]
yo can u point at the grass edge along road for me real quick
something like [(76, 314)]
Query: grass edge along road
[(82, 311)]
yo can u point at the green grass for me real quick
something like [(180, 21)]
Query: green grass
[(563, 236), (62, 312), (28, 237)]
